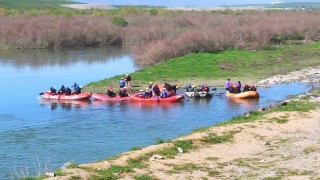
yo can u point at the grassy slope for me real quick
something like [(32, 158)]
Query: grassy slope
[(33, 4), (215, 67)]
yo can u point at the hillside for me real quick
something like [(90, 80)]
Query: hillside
[(33, 4), (295, 5)]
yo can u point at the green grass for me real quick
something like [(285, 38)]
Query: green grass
[(143, 177), (215, 139), (170, 152), (217, 66), (34, 4)]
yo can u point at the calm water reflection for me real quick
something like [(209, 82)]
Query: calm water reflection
[(87, 131)]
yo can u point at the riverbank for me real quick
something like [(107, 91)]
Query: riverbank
[(214, 68), (279, 142)]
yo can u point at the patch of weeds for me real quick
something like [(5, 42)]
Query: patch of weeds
[(111, 158), (135, 148), (75, 178), (212, 158), (186, 167), (254, 115), (72, 166), (282, 141), (160, 141), (170, 152), (201, 129), (310, 149), (222, 165), (278, 120), (143, 177), (305, 173), (272, 178), (59, 172), (136, 163), (32, 178), (259, 137), (297, 106), (292, 172), (108, 173), (214, 173), (214, 139)]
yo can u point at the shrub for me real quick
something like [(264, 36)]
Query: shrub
[(119, 21)]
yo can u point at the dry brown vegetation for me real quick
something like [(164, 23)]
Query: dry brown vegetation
[(161, 37)]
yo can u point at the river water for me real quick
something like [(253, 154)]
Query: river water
[(34, 132)]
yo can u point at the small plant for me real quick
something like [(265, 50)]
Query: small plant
[(160, 141), (143, 177), (309, 150), (135, 148), (119, 21), (278, 120), (214, 139)]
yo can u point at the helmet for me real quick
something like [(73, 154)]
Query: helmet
[(122, 78), (122, 89), (150, 82), (177, 87), (141, 90), (246, 84), (127, 74), (110, 87), (156, 85), (194, 86), (147, 88)]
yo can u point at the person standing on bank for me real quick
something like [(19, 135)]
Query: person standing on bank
[(127, 79)]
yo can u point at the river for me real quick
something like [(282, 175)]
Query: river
[(33, 132)]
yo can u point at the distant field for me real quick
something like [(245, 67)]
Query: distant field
[(296, 5), (34, 4)]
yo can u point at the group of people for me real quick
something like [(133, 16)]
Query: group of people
[(122, 92), (236, 88), (66, 90), (154, 89), (193, 88)]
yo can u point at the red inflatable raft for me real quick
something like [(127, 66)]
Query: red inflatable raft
[(243, 95), (137, 98), (104, 97), (82, 96)]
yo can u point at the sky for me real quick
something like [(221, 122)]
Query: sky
[(171, 3)]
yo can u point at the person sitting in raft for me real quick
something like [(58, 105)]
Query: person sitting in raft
[(156, 90), (231, 89), (148, 93), (127, 79), (53, 90), (246, 87), (174, 88), (62, 90), (122, 83), (123, 92), (205, 88), (150, 85), (188, 87), (164, 93), (253, 88), (227, 84), (236, 89), (238, 84), (76, 88), (110, 92), (168, 86), (67, 91)]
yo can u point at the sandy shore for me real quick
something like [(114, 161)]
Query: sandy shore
[(266, 148)]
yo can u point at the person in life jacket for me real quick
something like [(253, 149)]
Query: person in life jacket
[(122, 83), (246, 87), (127, 79), (156, 90), (238, 84), (123, 92), (62, 90), (148, 93), (174, 88), (253, 88), (67, 91), (168, 86), (110, 92), (231, 89), (76, 88), (205, 88), (188, 88), (53, 90), (164, 93), (227, 84), (150, 85), (236, 89)]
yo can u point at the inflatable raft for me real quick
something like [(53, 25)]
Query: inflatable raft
[(137, 98), (198, 95), (243, 95), (105, 97), (49, 96)]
